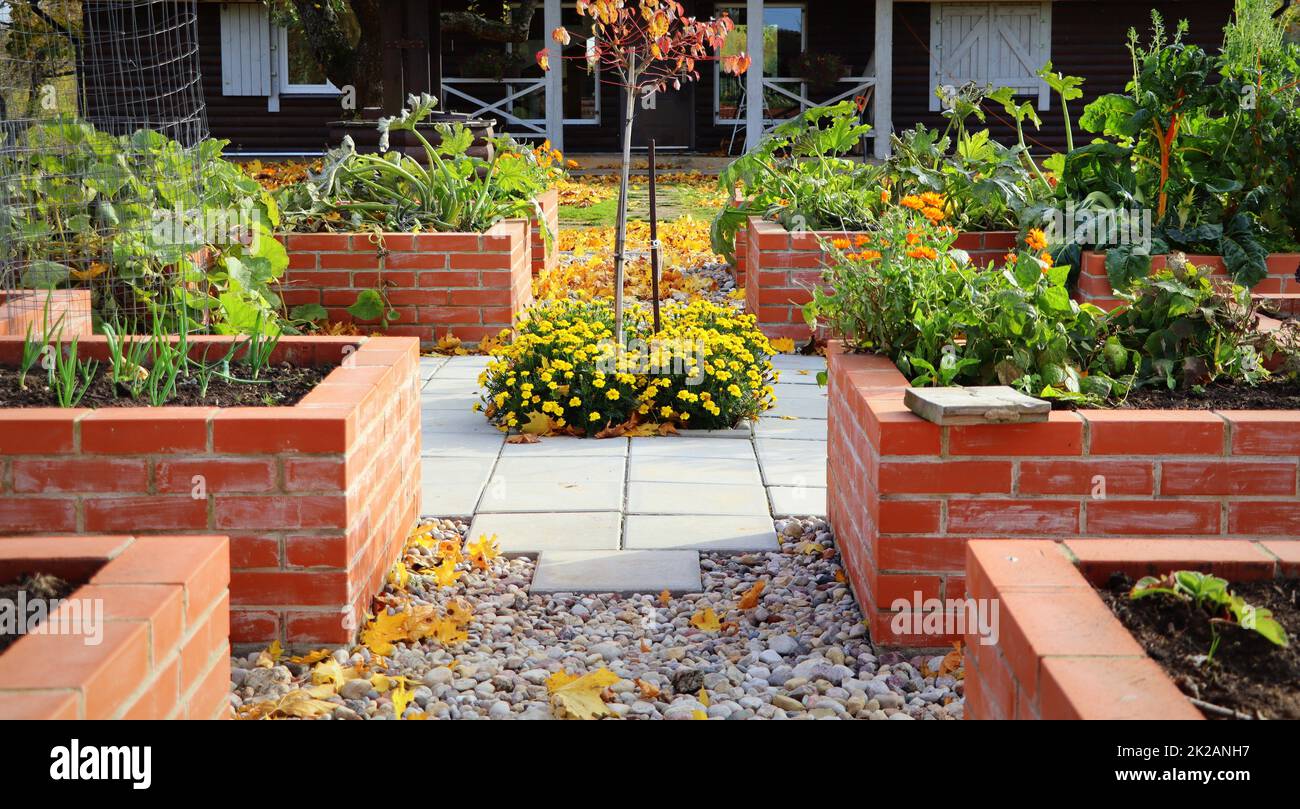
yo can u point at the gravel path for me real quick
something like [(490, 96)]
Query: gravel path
[(800, 653)]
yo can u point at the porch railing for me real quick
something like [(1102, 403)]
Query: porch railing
[(796, 89), (461, 97)]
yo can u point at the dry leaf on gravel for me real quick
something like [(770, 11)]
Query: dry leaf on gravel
[(580, 697), (706, 620), (749, 600)]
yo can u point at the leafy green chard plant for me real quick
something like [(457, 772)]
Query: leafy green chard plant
[(451, 190), (1211, 594), (801, 175)]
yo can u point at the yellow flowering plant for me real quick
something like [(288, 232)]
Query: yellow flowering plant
[(562, 372)]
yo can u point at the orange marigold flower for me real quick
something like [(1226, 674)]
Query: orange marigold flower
[(1036, 239), (840, 244), (913, 202), (933, 214), (913, 237), (1046, 257), (933, 199), (922, 252), (884, 196), (861, 239)]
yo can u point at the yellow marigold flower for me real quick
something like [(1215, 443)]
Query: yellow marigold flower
[(575, 402), (594, 417), (611, 394)]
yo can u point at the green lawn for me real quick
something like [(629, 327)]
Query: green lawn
[(674, 201)]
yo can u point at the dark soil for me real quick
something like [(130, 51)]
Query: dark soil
[(1279, 395), (38, 586), (278, 386), (1248, 674)]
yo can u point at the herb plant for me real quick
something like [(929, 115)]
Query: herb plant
[(1211, 594)]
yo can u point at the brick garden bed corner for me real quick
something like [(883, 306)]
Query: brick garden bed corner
[(906, 495), (472, 284), (68, 310), (543, 259), (316, 498), (1282, 284), (164, 652), (778, 268), (1061, 653)]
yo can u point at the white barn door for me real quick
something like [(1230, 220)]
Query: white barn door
[(1002, 44)]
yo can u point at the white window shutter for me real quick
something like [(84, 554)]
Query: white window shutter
[(1002, 44), (245, 50)]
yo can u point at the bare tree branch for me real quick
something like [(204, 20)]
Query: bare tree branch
[(489, 30)]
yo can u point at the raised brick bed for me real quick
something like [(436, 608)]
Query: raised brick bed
[(1061, 653), (779, 268), (905, 495), (544, 259), (164, 652), (1282, 283), (472, 284), (317, 498), (22, 309)]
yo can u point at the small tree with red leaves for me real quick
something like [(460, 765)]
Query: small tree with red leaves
[(644, 46)]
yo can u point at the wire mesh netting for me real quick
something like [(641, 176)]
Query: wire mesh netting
[(101, 130)]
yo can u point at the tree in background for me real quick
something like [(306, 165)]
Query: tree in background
[(644, 47)]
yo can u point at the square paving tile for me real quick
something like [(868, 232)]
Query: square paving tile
[(456, 421), (798, 362), (739, 471), (792, 462), (430, 365), (461, 445), (695, 498), (568, 531), (798, 501), (675, 446), (804, 377), (438, 396), (567, 447), (792, 428), (617, 572), (555, 484), (700, 532), (801, 407)]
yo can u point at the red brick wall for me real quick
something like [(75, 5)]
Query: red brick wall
[(1060, 652), (544, 259), (780, 267), (1281, 283), (905, 495), (165, 651), (316, 498), (472, 284)]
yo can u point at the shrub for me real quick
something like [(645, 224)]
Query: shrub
[(562, 373)]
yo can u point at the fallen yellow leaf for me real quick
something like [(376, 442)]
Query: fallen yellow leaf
[(579, 698), (380, 633), (750, 599), (706, 620)]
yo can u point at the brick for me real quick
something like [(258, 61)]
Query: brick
[(1233, 559), (999, 516), (1081, 477), (220, 475), (26, 515), (200, 564), (920, 553), (146, 430), (272, 512), (908, 516), (1110, 688), (1169, 517), (145, 513), (303, 588), (160, 698), (38, 431), (1255, 479), (106, 674), (1252, 518), (31, 704), (1061, 435), (254, 430), (161, 607), (1154, 432), (1263, 432), (945, 477), (315, 474), (1287, 552)]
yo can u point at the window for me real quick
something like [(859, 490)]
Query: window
[(784, 39), (298, 71), (1002, 44), (259, 58)]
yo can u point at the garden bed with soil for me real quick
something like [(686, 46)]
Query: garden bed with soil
[(316, 496), (143, 632), (281, 385), (1247, 675), (905, 495), (30, 587)]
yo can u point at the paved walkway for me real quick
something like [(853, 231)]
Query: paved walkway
[(623, 515)]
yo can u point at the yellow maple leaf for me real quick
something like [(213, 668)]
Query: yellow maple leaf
[(311, 657), (699, 715), (810, 547), (704, 698), (96, 269), (446, 573), (460, 611), (401, 698), (737, 294), (665, 598), (380, 634), (302, 704), (270, 655), (399, 575), (783, 345), (706, 620), (332, 672), (537, 424), (750, 599), (483, 550), (579, 698)]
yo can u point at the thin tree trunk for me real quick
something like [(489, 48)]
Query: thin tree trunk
[(620, 230)]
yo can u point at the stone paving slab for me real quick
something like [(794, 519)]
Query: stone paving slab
[(798, 362), (622, 571), (799, 376), (461, 445), (456, 421), (792, 462), (735, 471), (446, 399), (677, 446), (558, 531), (785, 390), (792, 428), (797, 501), (451, 487), (700, 532), (566, 447), (695, 498), (800, 407), (555, 484)]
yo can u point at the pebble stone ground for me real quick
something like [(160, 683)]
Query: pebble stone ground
[(592, 532)]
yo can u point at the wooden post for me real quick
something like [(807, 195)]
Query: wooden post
[(655, 254), (754, 106), (555, 76), (883, 98)]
